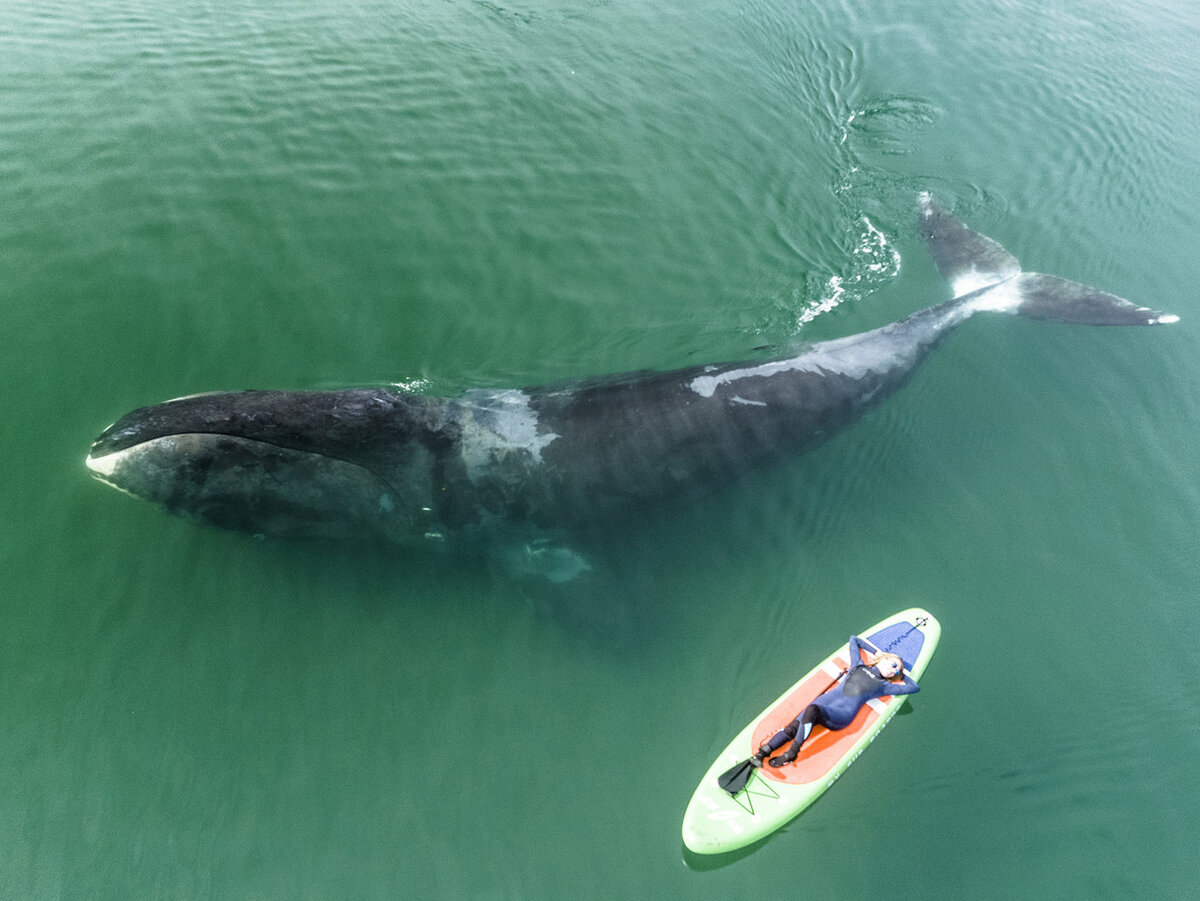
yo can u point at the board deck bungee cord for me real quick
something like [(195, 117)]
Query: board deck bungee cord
[(716, 822)]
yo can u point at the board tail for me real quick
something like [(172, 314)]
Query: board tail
[(988, 277)]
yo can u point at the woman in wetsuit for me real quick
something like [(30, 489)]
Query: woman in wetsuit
[(836, 708)]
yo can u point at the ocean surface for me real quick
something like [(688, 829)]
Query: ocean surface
[(453, 193)]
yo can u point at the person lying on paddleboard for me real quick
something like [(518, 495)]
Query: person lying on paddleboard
[(836, 708)]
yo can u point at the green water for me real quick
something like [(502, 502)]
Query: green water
[(223, 195)]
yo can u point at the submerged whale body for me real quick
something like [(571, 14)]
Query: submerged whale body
[(537, 461)]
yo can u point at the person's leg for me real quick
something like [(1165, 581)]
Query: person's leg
[(804, 723), (776, 741)]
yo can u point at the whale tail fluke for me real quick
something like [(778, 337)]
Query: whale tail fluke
[(966, 259), (980, 269), (1061, 300)]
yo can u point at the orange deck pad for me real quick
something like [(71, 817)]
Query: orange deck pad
[(823, 748)]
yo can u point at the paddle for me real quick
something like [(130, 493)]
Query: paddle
[(734, 779)]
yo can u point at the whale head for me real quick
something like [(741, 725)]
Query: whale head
[(289, 464)]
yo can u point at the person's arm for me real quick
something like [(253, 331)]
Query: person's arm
[(855, 656), (907, 687)]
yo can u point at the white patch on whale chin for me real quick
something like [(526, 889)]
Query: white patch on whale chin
[(498, 423), (105, 468), (108, 468)]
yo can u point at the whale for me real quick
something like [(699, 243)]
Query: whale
[(539, 462)]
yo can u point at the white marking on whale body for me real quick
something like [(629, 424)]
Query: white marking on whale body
[(496, 424), (749, 403), (175, 400), (855, 356)]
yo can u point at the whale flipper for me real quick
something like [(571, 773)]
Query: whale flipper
[(545, 559), (981, 271)]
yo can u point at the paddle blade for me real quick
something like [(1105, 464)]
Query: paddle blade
[(734, 779)]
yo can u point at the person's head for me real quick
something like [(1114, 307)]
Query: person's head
[(889, 665)]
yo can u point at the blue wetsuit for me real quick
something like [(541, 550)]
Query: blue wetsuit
[(836, 708)]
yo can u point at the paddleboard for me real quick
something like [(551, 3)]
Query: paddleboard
[(715, 822)]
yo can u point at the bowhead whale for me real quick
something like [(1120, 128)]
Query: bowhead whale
[(412, 468)]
